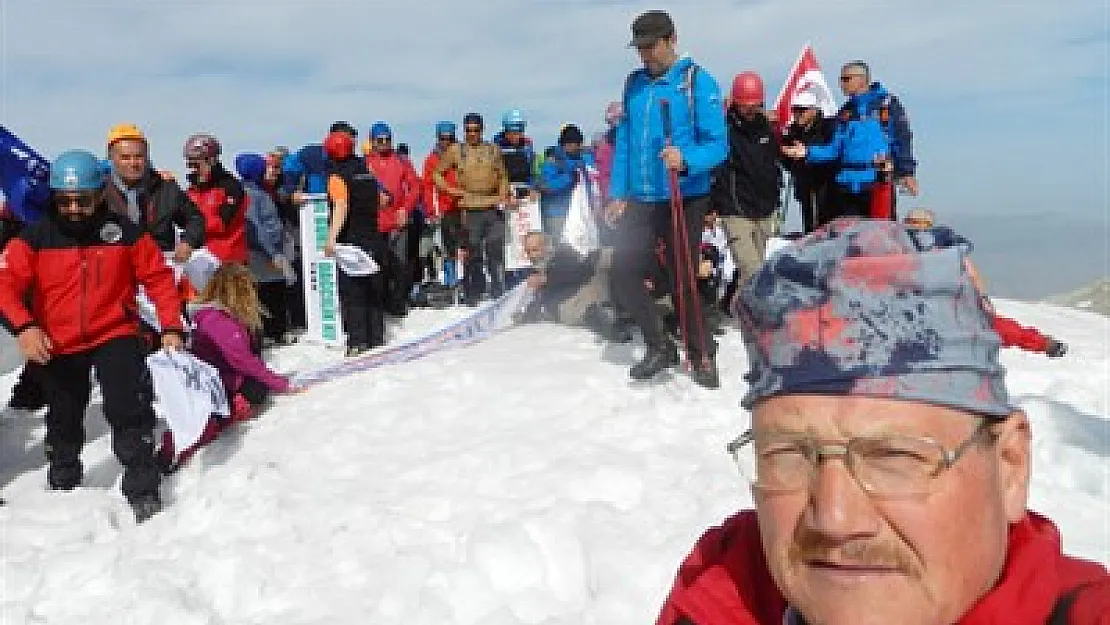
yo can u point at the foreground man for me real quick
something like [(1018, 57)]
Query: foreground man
[(82, 265), (889, 470)]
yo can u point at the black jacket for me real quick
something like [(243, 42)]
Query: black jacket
[(164, 205), (810, 177), (749, 182)]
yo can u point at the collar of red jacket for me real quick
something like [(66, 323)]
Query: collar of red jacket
[(725, 580)]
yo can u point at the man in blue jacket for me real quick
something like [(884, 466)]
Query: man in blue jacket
[(872, 139), (639, 191), (558, 176)]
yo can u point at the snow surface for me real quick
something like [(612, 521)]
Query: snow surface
[(523, 480)]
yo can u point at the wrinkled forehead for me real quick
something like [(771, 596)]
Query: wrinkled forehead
[(846, 416)]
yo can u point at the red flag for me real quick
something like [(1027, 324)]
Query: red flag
[(805, 77)]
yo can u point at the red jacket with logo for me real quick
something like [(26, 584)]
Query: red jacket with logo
[(83, 290), (223, 202), (436, 202), (725, 581), (398, 178)]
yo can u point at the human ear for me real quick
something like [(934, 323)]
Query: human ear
[(1013, 451)]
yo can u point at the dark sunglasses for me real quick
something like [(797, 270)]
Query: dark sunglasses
[(446, 138), (385, 139), (82, 200), (848, 77)]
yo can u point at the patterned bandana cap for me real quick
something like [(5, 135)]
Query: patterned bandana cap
[(865, 307)]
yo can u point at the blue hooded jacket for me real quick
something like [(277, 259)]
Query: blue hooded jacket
[(557, 178), (23, 178), (306, 170), (861, 135), (638, 171)]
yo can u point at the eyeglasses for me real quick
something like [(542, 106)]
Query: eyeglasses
[(847, 77), (884, 466), (385, 139), (81, 200)]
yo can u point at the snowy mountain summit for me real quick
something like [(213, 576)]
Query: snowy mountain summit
[(519, 480)]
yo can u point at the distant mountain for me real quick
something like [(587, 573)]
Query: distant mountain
[(1094, 297)]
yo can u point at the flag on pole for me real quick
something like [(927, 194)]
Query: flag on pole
[(805, 76)]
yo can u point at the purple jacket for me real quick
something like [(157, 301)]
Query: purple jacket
[(224, 343)]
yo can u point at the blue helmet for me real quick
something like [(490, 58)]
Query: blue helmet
[(251, 167), (513, 120), (445, 128), (380, 129), (76, 170)]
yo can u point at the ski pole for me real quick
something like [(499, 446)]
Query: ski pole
[(684, 269)]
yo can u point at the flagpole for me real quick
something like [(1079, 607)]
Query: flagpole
[(790, 74)]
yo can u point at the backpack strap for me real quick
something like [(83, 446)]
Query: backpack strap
[(688, 84)]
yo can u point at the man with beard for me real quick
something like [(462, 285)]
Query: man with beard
[(81, 266), (889, 467), (646, 157), (746, 186)]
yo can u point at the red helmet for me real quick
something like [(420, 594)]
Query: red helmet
[(339, 145), (202, 146), (747, 89)]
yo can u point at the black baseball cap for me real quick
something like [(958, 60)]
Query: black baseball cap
[(651, 27), (342, 126)]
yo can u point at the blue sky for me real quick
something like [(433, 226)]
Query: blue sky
[(1008, 100)]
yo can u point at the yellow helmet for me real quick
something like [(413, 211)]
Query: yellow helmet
[(124, 132)]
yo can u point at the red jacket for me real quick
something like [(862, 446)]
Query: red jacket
[(83, 291), (398, 178), (437, 203), (223, 203), (725, 581)]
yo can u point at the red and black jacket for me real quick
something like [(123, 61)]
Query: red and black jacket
[(223, 202), (164, 205), (83, 289)]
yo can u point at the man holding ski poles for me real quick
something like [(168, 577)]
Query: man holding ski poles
[(672, 135)]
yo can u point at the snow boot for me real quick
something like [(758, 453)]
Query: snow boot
[(146, 506), (657, 358), (704, 373), (65, 471)]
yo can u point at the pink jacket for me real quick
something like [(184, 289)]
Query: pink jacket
[(221, 341)]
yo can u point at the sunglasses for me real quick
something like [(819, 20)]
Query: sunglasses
[(385, 139), (446, 138), (847, 77), (473, 129), (83, 200)]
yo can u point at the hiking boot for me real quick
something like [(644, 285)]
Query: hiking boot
[(146, 506), (1056, 349), (355, 351), (65, 475), (656, 359), (704, 373)]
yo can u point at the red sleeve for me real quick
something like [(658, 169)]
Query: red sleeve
[(1014, 334), (17, 262), (156, 277), (430, 203), (410, 181)]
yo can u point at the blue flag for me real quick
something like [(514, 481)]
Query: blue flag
[(24, 178)]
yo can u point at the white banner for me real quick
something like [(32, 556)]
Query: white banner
[(321, 287), (518, 223)]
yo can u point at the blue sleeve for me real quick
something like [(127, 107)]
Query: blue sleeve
[(710, 138), (901, 140), (555, 179), (292, 171), (828, 152), (261, 218), (618, 175)]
